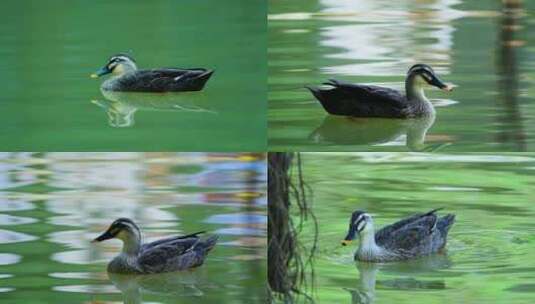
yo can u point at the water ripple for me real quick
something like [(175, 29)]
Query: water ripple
[(92, 289), (11, 220), (7, 237), (9, 258)]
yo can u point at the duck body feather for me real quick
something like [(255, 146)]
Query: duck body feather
[(359, 100), (159, 80), (166, 255)]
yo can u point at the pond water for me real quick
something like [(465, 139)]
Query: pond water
[(49, 49), (52, 205), (483, 47), (489, 257)]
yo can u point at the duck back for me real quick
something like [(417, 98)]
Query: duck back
[(361, 100), (160, 80)]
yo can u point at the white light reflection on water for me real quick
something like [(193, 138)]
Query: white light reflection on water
[(73, 197), (388, 43)]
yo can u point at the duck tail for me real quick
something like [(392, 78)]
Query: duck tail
[(433, 211), (200, 80), (318, 93), (206, 245), (206, 75), (444, 223), (330, 99)]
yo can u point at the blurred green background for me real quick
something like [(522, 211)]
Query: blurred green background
[(49, 49)]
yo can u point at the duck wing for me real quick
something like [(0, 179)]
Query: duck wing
[(386, 232), (361, 100), (173, 255), (165, 80), (416, 237), (170, 240)]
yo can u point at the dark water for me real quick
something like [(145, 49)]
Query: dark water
[(484, 47), (52, 205), (489, 257), (49, 49)]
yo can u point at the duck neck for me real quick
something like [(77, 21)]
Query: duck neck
[(122, 69), (131, 245), (368, 249), (414, 88)]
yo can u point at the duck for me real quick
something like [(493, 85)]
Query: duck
[(126, 77), (174, 253), (415, 236), (358, 100)]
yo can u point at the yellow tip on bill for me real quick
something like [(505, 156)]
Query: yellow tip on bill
[(94, 76), (345, 242), (449, 87)]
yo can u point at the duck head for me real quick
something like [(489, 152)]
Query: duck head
[(359, 223), (117, 65), (125, 230), (421, 75)]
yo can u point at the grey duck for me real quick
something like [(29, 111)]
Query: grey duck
[(373, 101), (126, 77), (412, 237), (165, 255)]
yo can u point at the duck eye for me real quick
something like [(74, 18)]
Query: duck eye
[(427, 77)]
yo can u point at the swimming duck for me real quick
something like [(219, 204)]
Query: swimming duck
[(412, 237), (373, 101), (126, 77), (166, 255)]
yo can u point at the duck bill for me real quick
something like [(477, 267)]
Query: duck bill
[(103, 71), (105, 236), (349, 237), (437, 82)]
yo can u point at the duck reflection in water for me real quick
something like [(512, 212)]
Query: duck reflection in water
[(343, 130), (364, 293), (172, 285), (121, 106)]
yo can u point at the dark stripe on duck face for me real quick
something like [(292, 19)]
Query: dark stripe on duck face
[(122, 224), (356, 216), (356, 224), (420, 67), (427, 73), (124, 220), (115, 61), (360, 222), (122, 57)]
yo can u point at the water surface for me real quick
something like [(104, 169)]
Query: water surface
[(489, 256), (52, 205), (49, 49), (484, 47)]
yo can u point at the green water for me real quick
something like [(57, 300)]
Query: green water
[(485, 50), (49, 49), (52, 205), (490, 250)]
